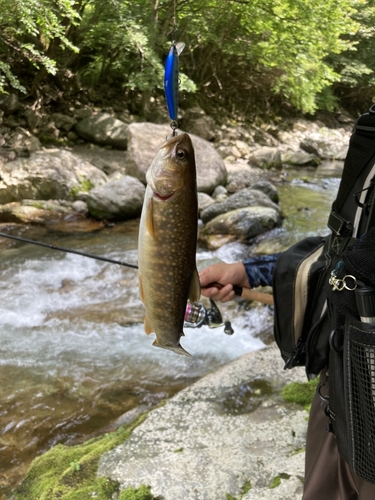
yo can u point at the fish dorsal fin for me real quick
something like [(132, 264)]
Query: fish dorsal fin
[(195, 288), (150, 217), (147, 326)]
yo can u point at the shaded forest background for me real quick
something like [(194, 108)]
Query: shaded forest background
[(243, 58)]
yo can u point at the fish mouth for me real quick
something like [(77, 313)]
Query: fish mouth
[(163, 197)]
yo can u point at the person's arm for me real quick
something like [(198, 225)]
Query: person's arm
[(251, 273)]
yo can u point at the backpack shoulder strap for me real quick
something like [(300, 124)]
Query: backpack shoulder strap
[(361, 150), (357, 178)]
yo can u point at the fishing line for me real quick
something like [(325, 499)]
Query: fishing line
[(67, 250)]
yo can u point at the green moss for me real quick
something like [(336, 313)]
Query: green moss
[(84, 186), (299, 450), (245, 488), (276, 481), (69, 472), (300, 393), (50, 140), (142, 493), (38, 205)]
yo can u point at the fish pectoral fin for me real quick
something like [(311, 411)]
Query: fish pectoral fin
[(147, 326), (195, 288), (177, 349), (150, 217)]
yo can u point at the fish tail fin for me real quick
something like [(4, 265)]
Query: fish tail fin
[(177, 349)]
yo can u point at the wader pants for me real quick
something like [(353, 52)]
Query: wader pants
[(327, 476)]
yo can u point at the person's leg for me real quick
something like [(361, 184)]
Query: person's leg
[(327, 476)]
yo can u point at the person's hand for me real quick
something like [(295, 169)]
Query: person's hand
[(225, 275)]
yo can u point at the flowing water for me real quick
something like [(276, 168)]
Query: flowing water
[(73, 354)]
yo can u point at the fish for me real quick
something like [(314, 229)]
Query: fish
[(167, 241), (171, 79)]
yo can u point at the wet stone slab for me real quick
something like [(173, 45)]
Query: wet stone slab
[(228, 430)]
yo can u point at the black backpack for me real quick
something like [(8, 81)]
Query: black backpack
[(302, 275)]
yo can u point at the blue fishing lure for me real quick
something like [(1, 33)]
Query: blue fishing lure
[(171, 79)]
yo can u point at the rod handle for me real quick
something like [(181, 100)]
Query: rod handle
[(246, 293)]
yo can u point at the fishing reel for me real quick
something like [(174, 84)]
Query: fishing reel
[(197, 315)]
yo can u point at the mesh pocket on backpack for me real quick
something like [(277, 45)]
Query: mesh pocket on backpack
[(361, 384), (352, 399)]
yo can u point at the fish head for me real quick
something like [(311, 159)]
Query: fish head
[(173, 168)]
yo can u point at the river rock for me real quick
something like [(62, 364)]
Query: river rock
[(118, 199), (109, 160), (330, 145), (9, 103), (241, 175), (50, 174), (229, 429), (204, 201), (22, 140), (195, 121), (299, 157), (245, 198), (34, 118), (239, 225), (38, 212), (144, 140), (267, 188), (266, 157), (103, 129), (63, 122)]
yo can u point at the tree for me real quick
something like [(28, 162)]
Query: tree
[(31, 31)]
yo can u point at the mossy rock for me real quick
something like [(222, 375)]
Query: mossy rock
[(69, 472)]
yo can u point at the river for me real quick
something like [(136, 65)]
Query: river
[(73, 354)]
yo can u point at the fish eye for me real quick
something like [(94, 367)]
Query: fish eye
[(180, 153)]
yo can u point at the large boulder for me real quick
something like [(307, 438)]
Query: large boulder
[(244, 198), (227, 433), (118, 199), (329, 144), (103, 129), (239, 225), (51, 174), (144, 140)]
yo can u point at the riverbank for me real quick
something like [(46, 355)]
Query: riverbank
[(231, 435)]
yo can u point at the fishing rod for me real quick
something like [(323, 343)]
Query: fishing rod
[(196, 314), (67, 250), (246, 294)]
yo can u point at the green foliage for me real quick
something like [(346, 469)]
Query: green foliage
[(29, 30), (248, 55)]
